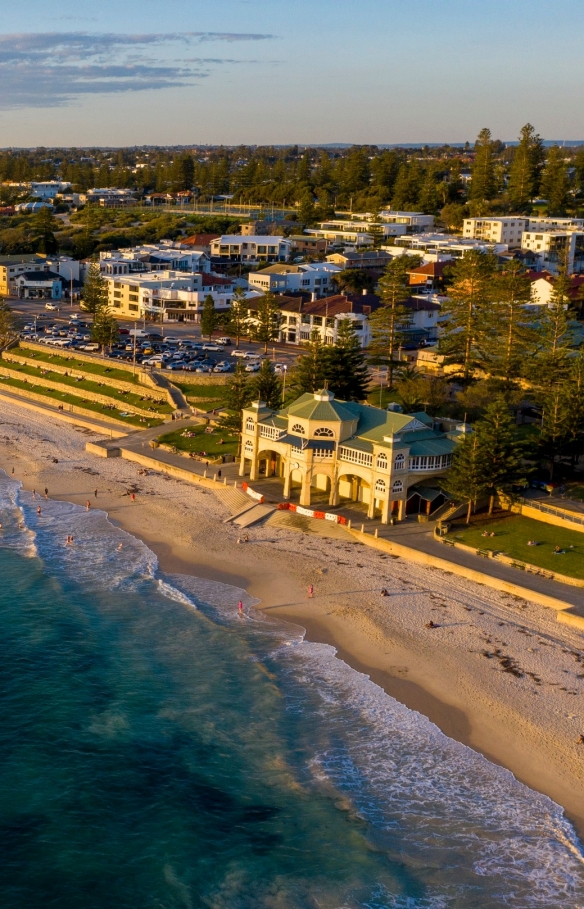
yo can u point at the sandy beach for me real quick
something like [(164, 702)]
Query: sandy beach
[(498, 674)]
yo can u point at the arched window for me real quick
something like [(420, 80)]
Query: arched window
[(298, 429), (397, 487), (382, 461), (249, 424), (399, 462), (380, 486), (249, 447), (323, 432)]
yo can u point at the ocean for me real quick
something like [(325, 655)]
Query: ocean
[(159, 751)]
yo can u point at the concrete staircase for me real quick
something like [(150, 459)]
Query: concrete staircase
[(253, 515)]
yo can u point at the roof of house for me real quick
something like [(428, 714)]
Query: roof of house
[(321, 406), (360, 304), (20, 260), (432, 269), (40, 276), (199, 240), (421, 304), (279, 268), (212, 280)]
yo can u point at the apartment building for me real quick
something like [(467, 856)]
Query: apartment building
[(301, 321), (13, 267), (163, 256), (437, 247), (312, 246), (555, 248), (282, 278), (495, 230), (239, 248), (540, 224), (167, 295), (353, 233)]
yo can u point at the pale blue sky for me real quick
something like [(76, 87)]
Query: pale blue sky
[(121, 72)]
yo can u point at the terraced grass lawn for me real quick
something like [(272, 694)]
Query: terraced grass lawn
[(104, 370), (56, 397), (512, 534), (205, 397), (218, 442), (119, 398)]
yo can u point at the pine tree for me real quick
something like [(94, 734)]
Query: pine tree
[(466, 480), (428, 199), (555, 335), (502, 453), (209, 317), (94, 289), (525, 170), (238, 315), (390, 322), (509, 339), (483, 169), (239, 395), (311, 370), (105, 330), (6, 322), (555, 423), (573, 406), (468, 300), (375, 228), (266, 322), (267, 386), (46, 224), (347, 373), (554, 182)]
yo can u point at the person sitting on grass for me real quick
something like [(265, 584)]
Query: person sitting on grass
[(558, 551)]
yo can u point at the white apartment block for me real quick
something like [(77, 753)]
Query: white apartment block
[(161, 256), (540, 224), (167, 295), (414, 221), (439, 247), (312, 278), (555, 248), (353, 233), (495, 230), (49, 189), (239, 248)]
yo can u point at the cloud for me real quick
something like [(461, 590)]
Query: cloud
[(49, 69)]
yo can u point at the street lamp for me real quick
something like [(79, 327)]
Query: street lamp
[(285, 369)]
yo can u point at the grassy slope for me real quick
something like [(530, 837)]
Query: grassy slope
[(512, 534), (202, 441), (104, 371)]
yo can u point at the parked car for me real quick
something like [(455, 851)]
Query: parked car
[(223, 367), (545, 485), (225, 342), (51, 306), (253, 367), (91, 345), (242, 354), (212, 347), (280, 369)]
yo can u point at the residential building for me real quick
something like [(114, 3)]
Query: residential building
[(506, 230), (302, 320), (49, 189), (555, 248), (429, 277), (32, 207), (375, 260), (555, 224), (414, 221), (163, 256), (13, 266), (198, 243), (38, 285), (436, 247), (353, 233), (308, 245), (281, 278), (167, 295), (238, 248), (341, 451), (108, 198), (542, 286)]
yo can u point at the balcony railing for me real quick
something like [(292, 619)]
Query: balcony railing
[(272, 432)]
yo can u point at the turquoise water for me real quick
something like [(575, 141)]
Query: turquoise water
[(158, 751)]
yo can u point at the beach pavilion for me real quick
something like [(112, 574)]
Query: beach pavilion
[(342, 451)]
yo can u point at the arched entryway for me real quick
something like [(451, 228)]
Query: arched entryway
[(270, 463), (353, 488)]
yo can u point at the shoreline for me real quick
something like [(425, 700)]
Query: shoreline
[(528, 727)]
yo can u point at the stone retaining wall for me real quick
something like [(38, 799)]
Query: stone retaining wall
[(89, 416), (68, 389)]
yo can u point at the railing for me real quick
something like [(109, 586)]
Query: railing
[(356, 457), (271, 432), (551, 509)]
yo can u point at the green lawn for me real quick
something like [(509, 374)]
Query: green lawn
[(386, 397), (97, 369), (129, 399), (512, 534), (56, 397), (575, 491), (205, 397), (218, 442)]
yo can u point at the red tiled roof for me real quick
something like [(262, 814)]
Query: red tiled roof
[(199, 240), (215, 280), (432, 269)]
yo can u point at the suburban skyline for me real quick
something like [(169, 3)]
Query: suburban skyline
[(262, 72)]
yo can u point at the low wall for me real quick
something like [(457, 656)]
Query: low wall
[(202, 378), (70, 390), (83, 417), (563, 517), (570, 613)]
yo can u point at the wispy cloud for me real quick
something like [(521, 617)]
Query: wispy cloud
[(51, 69)]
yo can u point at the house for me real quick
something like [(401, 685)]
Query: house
[(376, 260), (341, 451), (436, 247), (38, 285), (48, 190), (282, 278), (108, 198), (495, 230), (164, 295), (429, 277), (542, 286), (161, 256), (555, 248), (310, 245), (198, 243), (11, 266), (353, 233), (239, 248), (303, 320)]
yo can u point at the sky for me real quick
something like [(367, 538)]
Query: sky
[(186, 72)]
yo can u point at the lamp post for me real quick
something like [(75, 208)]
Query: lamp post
[(285, 369)]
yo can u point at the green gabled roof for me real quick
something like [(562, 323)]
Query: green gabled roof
[(432, 447), (358, 444), (322, 406), (276, 420), (423, 418)]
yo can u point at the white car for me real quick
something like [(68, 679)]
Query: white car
[(51, 306), (279, 369), (91, 346), (212, 347), (253, 367), (240, 353)]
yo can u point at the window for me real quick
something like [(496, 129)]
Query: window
[(133, 307), (399, 462), (133, 298), (298, 429), (397, 487), (380, 486), (382, 461), (249, 447), (249, 425), (323, 433), (133, 289)]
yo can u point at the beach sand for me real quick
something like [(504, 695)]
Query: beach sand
[(498, 674)]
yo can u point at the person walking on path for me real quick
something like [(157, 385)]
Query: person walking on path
[(310, 591)]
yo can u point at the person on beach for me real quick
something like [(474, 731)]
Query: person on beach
[(13, 470), (39, 510), (88, 505), (133, 497), (46, 493), (310, 591), (95, 493), (384, 592), (34, 493), (120, 547), (240, 608)]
